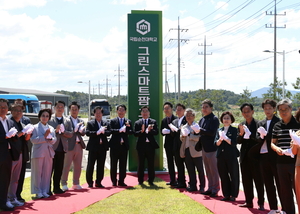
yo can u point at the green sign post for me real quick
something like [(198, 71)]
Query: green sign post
[(145, 74)]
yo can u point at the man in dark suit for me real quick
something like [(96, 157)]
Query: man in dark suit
[(263, 151), (120, 128), (249, 165), (145, 129), (169, 140), (97, 130), (5, 154), (178, 123), (64, 131)]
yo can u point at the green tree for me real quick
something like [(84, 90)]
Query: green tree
[(296, 97), (217, 97), (276, 91), (246, 97)]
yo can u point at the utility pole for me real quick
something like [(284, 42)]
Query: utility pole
[(179, 40), (119, 86), (204, 54), (166, 75), (275, 38), (175, 87), (107, 85)]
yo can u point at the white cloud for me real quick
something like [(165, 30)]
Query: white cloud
[(221, 4), (14, 4)]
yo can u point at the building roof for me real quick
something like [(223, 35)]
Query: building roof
[(29, 91)]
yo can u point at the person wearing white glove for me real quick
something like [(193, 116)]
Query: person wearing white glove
[(265, 154), (281, 140), (196, 128), (121, 128), (227, 157), (75, 149), (193, 158), (97, 147), (250, 169), (64, 131)]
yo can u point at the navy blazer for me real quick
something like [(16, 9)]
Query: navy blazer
[(229, 151), (141, 140), (4, 151), (115, 140), (169, 139), (94, 139)]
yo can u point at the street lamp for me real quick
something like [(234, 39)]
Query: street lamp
[(283, 69), (89, 109)]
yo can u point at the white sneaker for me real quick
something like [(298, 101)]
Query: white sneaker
[(76, 187), (9, 204), (65, 188), (39, 195), (45, 195), (16, 203)]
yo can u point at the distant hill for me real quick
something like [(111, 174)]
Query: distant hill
[(258, 93)]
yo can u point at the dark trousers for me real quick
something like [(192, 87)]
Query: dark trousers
[(149, 154), (191, 163), (228, 168), (5, 173), (286, 175), (180, 168), (170, 161), (21, 180), (251, 172), (269, 173), (118, 155), (57, 168), (94, 156)]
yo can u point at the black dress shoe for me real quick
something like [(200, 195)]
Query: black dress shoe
[(50, 193), (141, 183), (172, 183), (246, 205), (213, 195), (225, 199), (261, 207), (180, 186), (207, 192), (58, 191), (21, 199), (191, 189), (90, 185), (114, 184), (99, 186), (151, 183), (6, 208), (122, 184), (232, 199)]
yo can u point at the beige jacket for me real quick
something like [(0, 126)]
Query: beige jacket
[(192, 139)]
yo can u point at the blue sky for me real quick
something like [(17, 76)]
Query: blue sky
[(51, 45)]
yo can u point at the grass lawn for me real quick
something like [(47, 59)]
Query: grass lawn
[(138, 199)]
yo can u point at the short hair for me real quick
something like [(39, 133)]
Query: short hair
[(286, 101), (270, 102), (143, 107), (2, 100), (21, 100), (169, 104), (208, 102), (14, 106), (44, 110), (297, 115), (98, 107), (180, 105), (227, 113), (74, 103), (59, 101), (190, 110), (121, 106), (246, 104)]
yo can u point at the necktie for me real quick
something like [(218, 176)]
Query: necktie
[(121, 122)]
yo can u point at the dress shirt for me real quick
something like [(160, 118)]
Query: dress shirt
[(74, 120), (180, 121), (99, 124), (121, 121)]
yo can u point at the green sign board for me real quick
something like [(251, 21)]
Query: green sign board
[(145, 75)]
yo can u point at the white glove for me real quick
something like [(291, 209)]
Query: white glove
[(224, 137), (261, 130), (61, 128), (82, 128), (185, 132), (173, 128), (288, 152), (295, 137), (122, 129), (12, 132), (49, 136), (77, 127), (101, 130), (165, 131), (247, 132), (28, 129), (220, 135), (196, 128)]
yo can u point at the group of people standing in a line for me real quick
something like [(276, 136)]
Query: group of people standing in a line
[(268, 151)]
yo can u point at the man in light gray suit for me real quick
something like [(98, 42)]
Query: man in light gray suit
[(75, 147), (64, 131)]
